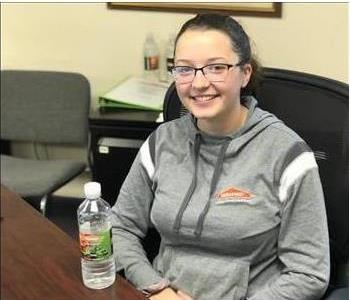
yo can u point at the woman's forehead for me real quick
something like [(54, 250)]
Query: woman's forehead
[(204, 35), (210, 44)]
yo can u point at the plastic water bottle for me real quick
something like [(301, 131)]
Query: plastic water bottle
[(95, 235), (151, 58)]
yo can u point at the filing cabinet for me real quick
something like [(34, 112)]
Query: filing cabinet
[(115, 139)]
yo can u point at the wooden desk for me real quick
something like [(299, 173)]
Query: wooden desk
[(39, 261)]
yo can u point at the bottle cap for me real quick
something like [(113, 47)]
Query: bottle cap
[(92, 190)]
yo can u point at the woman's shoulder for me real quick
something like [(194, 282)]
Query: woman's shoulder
[(180, 127), (282, 141), (288, 144), (285, 133)]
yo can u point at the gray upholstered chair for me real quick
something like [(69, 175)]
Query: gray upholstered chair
[(42, 107)]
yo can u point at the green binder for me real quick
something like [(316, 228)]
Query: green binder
[(135, 93)]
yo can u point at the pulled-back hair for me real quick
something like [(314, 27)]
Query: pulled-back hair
[(239, 40)]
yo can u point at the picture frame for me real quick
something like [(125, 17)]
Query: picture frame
[(256, 9)]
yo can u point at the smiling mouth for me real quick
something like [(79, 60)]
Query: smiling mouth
[(204, 98)]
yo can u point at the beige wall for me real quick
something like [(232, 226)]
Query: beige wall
[(106, 45)]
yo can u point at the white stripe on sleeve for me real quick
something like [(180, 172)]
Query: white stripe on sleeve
[(296, 169), (146, 159)]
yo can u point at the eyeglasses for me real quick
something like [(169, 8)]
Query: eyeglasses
[(212, 72)]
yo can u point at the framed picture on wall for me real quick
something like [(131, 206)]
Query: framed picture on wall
[(259, 9)]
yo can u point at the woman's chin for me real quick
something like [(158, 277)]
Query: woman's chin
[(202, 115)]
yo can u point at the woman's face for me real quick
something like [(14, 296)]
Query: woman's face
[(210, 101)]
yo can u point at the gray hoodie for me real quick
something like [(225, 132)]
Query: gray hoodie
[(239, 216)]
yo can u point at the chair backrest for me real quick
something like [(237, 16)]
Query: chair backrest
[(44, 107), (317, 108), (172, 107)]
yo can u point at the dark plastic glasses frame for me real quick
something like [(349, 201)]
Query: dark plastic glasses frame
[(202, 69)]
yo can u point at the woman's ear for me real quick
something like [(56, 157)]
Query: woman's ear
[(246, 72)]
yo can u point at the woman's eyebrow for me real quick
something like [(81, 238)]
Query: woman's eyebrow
[(216, 58), (183, 61), (190, 62)]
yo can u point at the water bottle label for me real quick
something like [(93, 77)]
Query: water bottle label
[(96, 246), (151, 63)]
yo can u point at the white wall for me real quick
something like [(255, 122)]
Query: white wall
[(106, 45)]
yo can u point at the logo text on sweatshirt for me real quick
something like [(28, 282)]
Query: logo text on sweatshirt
[(233, 193)]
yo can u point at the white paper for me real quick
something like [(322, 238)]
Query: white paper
[(140, 92)]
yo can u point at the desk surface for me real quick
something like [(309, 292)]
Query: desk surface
[(39, 261), (139, 117)]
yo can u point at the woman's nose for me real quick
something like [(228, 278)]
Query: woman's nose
[(200, 81)]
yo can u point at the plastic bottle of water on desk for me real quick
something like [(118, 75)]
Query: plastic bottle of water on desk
[(95, 235), (151, 58)]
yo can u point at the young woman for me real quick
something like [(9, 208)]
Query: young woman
[(233, 192)]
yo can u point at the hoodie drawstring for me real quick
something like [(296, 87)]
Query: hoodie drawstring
[(191, 188), (213, 183), (189, 193)]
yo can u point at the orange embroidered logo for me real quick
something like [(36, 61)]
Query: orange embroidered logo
[(234, 193)]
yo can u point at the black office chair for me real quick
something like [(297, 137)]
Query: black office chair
[(41, 108), (317, 109)]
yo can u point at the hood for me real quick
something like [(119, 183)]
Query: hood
[(257, 121)]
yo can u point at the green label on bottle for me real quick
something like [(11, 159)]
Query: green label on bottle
[(95, 246)]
